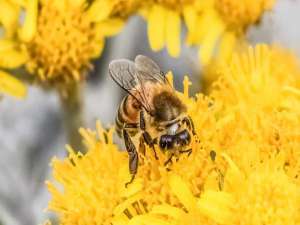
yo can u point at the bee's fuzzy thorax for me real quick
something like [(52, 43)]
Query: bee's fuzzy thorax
[(167, 106)]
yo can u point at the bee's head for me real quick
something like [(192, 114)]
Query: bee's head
[(167, 106), (171, 141)]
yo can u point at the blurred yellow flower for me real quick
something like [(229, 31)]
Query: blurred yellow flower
[(239, 14), (164, 29), (264, 195), (69, 34), (208, 23), (244, 167), (56, 40), (228, 21)]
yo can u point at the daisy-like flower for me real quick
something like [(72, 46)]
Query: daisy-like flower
[(264, 195), (70, 34), (228, 21), (57, 39), (243, 169), (89, 186)]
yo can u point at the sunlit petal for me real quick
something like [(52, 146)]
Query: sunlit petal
[(157, 27), (173, 33), (28, 29), (11, 86)]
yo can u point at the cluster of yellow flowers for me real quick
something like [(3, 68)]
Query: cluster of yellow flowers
[(208, 22), (58, 38), (244, 167)]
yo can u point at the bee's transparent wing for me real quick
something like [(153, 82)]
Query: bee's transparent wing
[(149, 70), (125, 74)]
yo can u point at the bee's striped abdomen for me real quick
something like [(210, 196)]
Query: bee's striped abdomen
[(127, 114)]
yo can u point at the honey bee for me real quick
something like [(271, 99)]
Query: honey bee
[(151, 113)]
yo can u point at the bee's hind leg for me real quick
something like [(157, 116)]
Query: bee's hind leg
[(133, 156), (148, 139)]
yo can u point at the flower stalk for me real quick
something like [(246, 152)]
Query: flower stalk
[(72, 109)]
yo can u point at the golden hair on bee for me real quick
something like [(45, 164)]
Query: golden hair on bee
[(167, 106)]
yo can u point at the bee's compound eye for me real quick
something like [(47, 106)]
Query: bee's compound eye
[(165, 141)]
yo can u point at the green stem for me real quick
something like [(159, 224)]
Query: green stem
[(72, 106)]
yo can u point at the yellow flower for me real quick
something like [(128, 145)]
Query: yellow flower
[(69, 34), (239, 14), (57, 39), (244, 167), (208, 22), (264, 195), (212, 207), (226, 21), (89, 186)]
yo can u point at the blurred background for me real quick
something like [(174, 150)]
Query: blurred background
[(32, 130)]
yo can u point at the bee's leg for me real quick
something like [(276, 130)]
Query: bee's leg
[(189, 122), (169, 160), (133, 156), (142, 146), (148, 139), (188, 151)]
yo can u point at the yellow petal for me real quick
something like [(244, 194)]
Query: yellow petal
[(97, 51), (291, 90), (9, 56), (186, 84), (75, 3), (119, 209), (217, 206), (168, 210), (58, 4), (110, 27), (227, 45), (99, 10), (170, 77), (232, 165), (147, 220), (182, 192), (19, 2), (7, 44), (12, 86), (156, 27), (190, 18), (173, 33), (209, 42), (9, 15), (119, 220), (28, 30)]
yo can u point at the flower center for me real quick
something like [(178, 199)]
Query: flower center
[(63, 45), (242, 13)]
